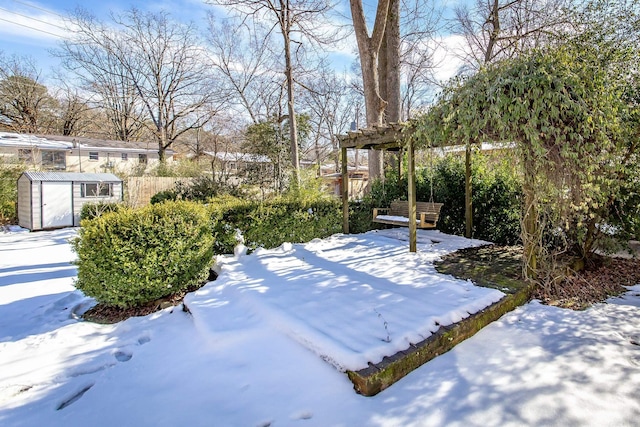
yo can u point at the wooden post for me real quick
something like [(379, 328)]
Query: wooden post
[(345, 193), (468, 208), (411, 178)]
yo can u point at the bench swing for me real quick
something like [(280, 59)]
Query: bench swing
[(427, 213)]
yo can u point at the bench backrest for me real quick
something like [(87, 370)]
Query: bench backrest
[(401, 208)]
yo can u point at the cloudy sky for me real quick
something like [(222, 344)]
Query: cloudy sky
[(34, 28)]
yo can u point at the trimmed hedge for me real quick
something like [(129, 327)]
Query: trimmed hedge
[(270, 224), (131, 257)]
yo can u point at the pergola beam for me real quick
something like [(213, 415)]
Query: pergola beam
[(394, 137)]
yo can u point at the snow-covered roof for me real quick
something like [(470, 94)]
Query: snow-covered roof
[(227, 156), (56, 142), (10, 139), (71, 176)]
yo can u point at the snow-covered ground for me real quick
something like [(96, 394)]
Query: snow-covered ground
[(248, 353)]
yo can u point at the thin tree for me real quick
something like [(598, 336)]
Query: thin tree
[(293, 18), (330, 103), (91, 57), (241, 54)]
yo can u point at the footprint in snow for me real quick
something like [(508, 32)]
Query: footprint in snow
[(302, 415), (143, 340), (122, 356), (74, 397)]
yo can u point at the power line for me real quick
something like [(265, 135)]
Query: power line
[(31, 28), (39, 8), (34, 19)]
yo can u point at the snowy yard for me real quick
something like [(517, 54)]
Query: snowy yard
[(248, 354)]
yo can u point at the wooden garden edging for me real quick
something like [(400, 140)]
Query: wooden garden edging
[(376, 377)]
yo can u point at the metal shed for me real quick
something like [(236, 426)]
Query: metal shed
[(54, 199)]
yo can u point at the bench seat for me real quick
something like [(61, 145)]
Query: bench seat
[(427, 214)]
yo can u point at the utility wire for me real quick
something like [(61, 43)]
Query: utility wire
[(39, 8), (31, 28), (32, 18)]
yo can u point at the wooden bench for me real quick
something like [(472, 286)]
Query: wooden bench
[(427, 214)]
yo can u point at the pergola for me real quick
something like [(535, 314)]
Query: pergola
[(395, 137)]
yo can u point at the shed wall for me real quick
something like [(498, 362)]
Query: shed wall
[(36, 205), (24, 202), (79, 201)]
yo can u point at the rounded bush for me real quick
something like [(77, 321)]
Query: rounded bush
[(131, 257)]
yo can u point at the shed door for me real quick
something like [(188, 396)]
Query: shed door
[(57, 204)]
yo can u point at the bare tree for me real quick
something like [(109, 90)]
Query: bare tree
[(241, 53), (75, 115), (25, 103), (91, 56), (294, 19), (420, 24), (330, 104), (161, 60), (502, 28)]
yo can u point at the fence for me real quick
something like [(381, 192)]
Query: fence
[(140, 189)]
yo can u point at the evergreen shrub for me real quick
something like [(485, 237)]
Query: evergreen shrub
[(496, 188), (130, 257), (272, 223), (9, 174)]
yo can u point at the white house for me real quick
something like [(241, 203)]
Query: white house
[(77, 154)]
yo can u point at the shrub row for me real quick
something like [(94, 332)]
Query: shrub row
[(270, 224), (130, 257)]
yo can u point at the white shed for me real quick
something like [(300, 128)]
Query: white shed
[(54, 199)]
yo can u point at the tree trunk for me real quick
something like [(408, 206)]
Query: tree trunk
[(293, 126), (389, 70), (369, 50)]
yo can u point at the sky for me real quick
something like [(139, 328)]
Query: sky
[(34, 28)]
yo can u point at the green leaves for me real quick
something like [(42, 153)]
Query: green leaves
[(131, 257), (270, 224), (572, 111)]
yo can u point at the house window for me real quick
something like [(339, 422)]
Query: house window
[(56, 160), (142, 158), (124, 157), (93, 155), (25, 155), (95, 189)]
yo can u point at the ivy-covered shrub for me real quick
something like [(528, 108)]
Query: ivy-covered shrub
[(270, 224), (93, 210), (130, 257), (496, 193)]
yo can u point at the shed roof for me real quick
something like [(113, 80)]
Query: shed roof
[(71, 176)]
